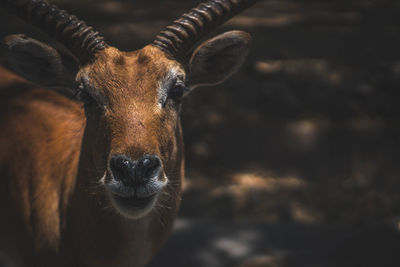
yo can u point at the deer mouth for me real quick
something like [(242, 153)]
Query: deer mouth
[(135, 201), (134, 185), (133, 206)]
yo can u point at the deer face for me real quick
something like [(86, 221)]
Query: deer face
[(132, 100)]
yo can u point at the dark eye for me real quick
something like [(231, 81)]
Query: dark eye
[(177, 92), (82, 95)]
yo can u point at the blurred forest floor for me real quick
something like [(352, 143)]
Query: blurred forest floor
[(294, 161)]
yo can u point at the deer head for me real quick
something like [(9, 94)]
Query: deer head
[(132, 144)]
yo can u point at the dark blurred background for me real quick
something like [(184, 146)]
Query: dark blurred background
[(294, 161)]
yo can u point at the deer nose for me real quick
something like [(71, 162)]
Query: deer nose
[(135, 173), (147, 168), (123, 169)]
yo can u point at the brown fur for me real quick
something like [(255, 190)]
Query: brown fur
[(54, 153)]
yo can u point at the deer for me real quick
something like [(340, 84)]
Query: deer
[(92, 154)]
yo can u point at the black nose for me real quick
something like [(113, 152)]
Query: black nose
[(147, 168), (123, 169), (132, 173)]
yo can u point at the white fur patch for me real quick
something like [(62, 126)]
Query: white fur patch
[(103, 179)]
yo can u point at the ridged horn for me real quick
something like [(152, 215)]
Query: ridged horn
[(73, 33), (179, 37)]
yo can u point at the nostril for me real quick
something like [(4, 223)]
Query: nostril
[(146, 162), (122, 169), (148, 168), (121, 164)]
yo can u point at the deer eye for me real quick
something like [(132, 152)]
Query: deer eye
[(177, 92), (83, 95)]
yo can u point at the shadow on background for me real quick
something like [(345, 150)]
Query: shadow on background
[(294, 161)]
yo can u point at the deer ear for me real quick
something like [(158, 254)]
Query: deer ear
[(216, 59), (38, 62)]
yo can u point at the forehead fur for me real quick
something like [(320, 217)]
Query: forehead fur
[(118, 75)]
